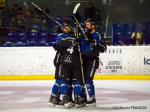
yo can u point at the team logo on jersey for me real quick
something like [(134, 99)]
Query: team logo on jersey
[(70, 50), (68, 59)]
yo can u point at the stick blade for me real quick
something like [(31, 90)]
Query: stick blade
[(76, 8)]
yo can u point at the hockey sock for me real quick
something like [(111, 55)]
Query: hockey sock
[(56, 88), (64, 87), (90, 89), (83, 92), (77, 88), (70, 91)]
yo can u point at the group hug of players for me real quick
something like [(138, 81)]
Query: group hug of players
[(76, 61)]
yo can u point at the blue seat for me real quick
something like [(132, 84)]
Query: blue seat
[(116, 28), (147, 39), (117, 33), (127, 31), (127, 27), (138, 27), (43, 39), (10, 39), (52, 38), (117, 39), (21, 39), (32, 39), (146, 33)]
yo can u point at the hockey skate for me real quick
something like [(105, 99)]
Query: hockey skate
[(66, 103), (79, 102), (54, 102), (91, 102)]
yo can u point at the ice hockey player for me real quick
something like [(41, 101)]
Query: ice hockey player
[(90, 55), (68, 70)]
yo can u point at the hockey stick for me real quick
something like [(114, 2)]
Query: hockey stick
[(107, 18), (78, 25), (50, 17), (76, 20)]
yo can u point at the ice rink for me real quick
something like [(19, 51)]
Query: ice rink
[(112, 96)]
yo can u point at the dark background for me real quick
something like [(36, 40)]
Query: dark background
[(122, 11)]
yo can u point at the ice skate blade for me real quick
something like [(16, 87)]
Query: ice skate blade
[(80, 106), (69, 105), (51, 104), (91, 105)]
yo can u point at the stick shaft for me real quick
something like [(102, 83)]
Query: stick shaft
[(107, 18), (50, 17), (79, 25)]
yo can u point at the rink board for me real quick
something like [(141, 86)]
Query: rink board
[(51, 77), (36, 63)]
